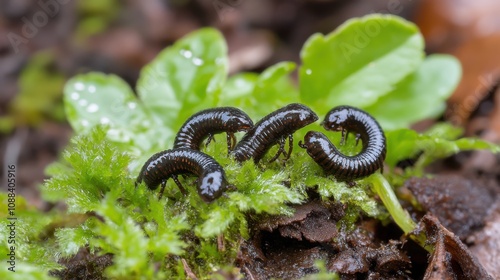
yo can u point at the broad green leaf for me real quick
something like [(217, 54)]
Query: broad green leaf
[(185, 77), (358, 62), (97, 99), (237, 91), (420, 95), (259, 95), (275, 72), (274, 89), (181, 80)]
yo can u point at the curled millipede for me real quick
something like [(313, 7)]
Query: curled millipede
[(346, 168), (208, 122), (170, 163), (274, 129)]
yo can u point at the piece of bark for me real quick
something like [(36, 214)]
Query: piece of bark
[(451, 259)]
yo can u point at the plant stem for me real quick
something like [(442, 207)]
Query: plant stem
[(384, 190)]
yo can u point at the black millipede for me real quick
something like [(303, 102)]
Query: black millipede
[(170, 163), (346, 168), (208, 122), (273, 129)]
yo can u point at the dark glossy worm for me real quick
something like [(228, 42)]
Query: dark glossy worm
[(274, 129), (345, 168), (208, 122), (170, 163)]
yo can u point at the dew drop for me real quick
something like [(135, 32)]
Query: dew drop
[(75, 96), (118, 135), (197, 61), (85, 123), (92, 89), (92, 108), (113, 133), (126, 138), (105, 120), (79, 86), (132, 105), (219, 60), (83, 102), (186, 53), (309, 71)]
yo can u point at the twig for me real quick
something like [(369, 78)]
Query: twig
[(188, 270)]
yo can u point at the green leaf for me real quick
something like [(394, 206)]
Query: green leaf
[(260, 94), (238, 90), (401, 144), (97, 99), (359, 62), (181, 80), (185, 77), (274, 89), (435, 144), (445, 131), (419, 96)]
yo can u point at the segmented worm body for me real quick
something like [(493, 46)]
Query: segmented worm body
[(345, 168), (208, 122), (273, 129), (170, 163)]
